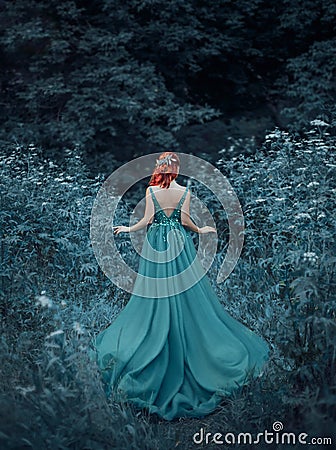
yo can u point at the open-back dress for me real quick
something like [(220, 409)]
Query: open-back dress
[(173, 349)]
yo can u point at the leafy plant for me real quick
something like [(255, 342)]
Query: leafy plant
[(54, 298)]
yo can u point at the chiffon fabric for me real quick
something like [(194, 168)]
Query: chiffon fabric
[(173, 350)]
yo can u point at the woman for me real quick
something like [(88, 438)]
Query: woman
[(173, 349)]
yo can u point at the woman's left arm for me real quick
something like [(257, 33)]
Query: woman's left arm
[(149, 213)]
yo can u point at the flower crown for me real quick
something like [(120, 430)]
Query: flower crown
[(166, 160)]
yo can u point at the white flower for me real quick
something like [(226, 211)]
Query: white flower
[(272, 135), (321, 215), (43, 300), (313, 183), (310, 256), (279, 199), (319, 123), (260, 200), (78, 328), (303, 216)]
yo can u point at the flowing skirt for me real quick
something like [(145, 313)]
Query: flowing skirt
[(178, 353)]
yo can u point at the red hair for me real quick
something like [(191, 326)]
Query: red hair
[(166, 170)]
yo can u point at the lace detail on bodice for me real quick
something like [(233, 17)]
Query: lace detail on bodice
[(161, 218)]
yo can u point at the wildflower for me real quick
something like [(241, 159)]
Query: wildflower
[(275, 134), (78, 328), (319, 123), (303, 216), (43, 300), (310, 257), (313, 183), (260, 200)]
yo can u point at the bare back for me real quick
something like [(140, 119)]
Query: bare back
[(170, 197)]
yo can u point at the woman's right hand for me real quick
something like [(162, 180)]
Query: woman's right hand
[(207, 229), (121, 229)]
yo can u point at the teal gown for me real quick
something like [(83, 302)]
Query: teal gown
[(175, 351)]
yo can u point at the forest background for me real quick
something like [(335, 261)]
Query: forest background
[(88, 85)]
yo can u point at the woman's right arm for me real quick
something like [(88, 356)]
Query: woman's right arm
[(187, 222)]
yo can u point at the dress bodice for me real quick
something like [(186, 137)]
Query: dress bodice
[(161, 218)]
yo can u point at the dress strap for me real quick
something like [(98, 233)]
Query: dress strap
[(156, 203), (180, 203)]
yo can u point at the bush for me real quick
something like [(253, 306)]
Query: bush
[(54, 298)]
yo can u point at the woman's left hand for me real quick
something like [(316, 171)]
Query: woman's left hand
[(120, 229)]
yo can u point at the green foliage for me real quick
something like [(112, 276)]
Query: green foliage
[(112, 75), (79, 83), (58, 402), (285, 278), (309, 82), (54, 299)]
